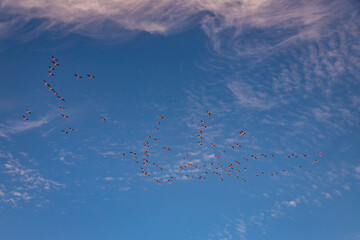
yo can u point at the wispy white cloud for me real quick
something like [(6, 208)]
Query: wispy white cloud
[(23, 183), (257, 219), (18, 126), (357, 172), (166, 16), (2, 134), (327, 195), (233, 229), (240, 226), (248, 97), (30, 176), (123, 189), (108, 178), (290, 203), (63, 155)]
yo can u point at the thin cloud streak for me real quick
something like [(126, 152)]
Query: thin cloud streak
[(301, 19), (19, 126), (248, 97)]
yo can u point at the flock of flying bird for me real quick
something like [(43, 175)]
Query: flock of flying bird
[(202, 169), (199, 169), (55, 63)]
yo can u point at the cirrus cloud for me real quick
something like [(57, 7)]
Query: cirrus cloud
[(302, 20)]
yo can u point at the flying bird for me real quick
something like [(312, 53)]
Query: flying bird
[(28, 111), (78, 76), (90, 76), (25, 118), (103, 119)]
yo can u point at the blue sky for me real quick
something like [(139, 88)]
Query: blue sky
[(286, 73)]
